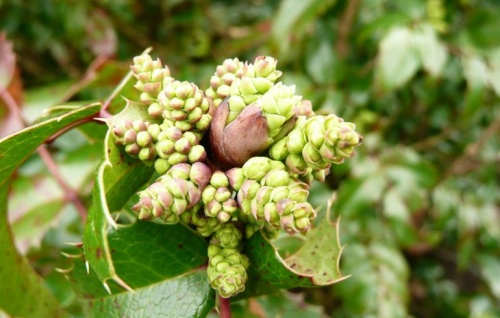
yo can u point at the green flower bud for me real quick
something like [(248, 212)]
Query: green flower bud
[(276, 178), (227, 271), (235, 177), (256, 168), (304, 108), (151, 77), (296, 141), (185, 105), (279, 150), (144, 139), (228, 236), (219, 179), (197, 153), (161, 165)]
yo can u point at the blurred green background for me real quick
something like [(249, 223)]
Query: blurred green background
[(419, 205)]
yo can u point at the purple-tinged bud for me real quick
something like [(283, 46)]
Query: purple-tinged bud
[(235, 177), (161, 166), (197, 153), (200, 174)]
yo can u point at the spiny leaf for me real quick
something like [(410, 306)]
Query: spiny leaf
[(23, 293), (314, 264), (15, 148), (184, 296), (118, 178)]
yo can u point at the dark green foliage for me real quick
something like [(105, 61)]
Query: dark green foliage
[(418, 205)]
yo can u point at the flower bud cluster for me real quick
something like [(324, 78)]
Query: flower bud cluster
[(173, 193), (315, 143), (220, 82), (138, 138), (151, 77), (227, 265), (272, 196), (184, 105), (218, 198), (174, 146), (205, 225), (257, 79), (265, 146)]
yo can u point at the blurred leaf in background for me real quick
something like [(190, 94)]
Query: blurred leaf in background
[(419, 205)]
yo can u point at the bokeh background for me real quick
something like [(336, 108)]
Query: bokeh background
[(419, 205)]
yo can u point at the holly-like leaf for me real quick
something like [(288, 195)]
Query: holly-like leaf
[(23, 293), (314, 264), (164, 266), (188, 295), (118, 178), (140, 252), (15, 148)]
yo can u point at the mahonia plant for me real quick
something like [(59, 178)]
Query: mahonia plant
[(233, 159)]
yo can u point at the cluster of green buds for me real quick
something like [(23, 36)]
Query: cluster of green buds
[(151, 77), (173, 193), (227, 265), (234, 159), (315, 143), (218, 198), (221, 81), (184, 105), (257, 79), (174, 146), (138, 137), (272, 196)]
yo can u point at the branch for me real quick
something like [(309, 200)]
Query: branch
[(345, 25), (87, 78), (464, 163)]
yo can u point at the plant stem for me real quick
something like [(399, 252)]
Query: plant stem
[(88, 77), (345, 24), (69, 193), (224, 307)]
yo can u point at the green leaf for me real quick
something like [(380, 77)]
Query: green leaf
[(433, 53), (293, 17), (22, 292), (378, 286), (321, 61), (38, 99), (15, 148), (490, 266), (314, 264), (275, 304), (184, 296), (30, 227), (494, 71), (140, 252), (398, 59), (475, 72), (118, 178)]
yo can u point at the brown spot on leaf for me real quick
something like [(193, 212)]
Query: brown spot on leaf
[(98, 252)]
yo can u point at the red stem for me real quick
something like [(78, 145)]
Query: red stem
[(224, 307), (70, 194)]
